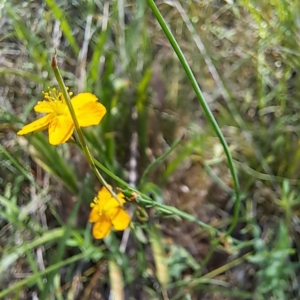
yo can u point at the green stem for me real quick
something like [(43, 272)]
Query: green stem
[(159, 160), (147, 201), (78, 129), (204, 105), (170, 210)]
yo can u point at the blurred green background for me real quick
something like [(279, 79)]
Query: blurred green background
[(246, 59)]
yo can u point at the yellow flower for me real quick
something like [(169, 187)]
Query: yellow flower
[(106, 212), (58, 119)]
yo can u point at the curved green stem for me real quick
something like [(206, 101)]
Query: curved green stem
[(159, 160), (204, 105), (147, 201), (79, 134)]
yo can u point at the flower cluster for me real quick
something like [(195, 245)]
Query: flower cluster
[(106, 210), (58, 119), (107, 213)]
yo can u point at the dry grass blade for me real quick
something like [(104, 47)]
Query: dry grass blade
[(116, 281)]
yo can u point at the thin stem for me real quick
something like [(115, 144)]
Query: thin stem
[(228, 266), (146, 200), (159, 160), (212, 274), (78, 129), (204, 105), (174, 211)]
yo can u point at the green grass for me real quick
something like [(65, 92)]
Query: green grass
[(217, 214)]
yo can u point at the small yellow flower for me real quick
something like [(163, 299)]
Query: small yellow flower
[(106, 212), (58, 119)]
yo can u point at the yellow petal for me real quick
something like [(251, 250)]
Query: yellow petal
[(90, 114), (83, 98), (60, 130), (113, 211), (102, 228), (108, 200), (104, 193), (37, 125), (45, 107), (94, 215), (113, 203), (121, 197), (121, 220)]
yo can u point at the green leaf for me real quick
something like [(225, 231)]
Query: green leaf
[(49, 159)]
